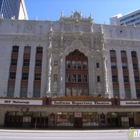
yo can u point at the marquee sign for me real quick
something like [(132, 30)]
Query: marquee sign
[(81, 103), (130, 103), (20, 102)]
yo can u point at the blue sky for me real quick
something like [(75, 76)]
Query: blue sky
[(101, 10)]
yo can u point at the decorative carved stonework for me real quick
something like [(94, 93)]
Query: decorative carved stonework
[(67, 27)]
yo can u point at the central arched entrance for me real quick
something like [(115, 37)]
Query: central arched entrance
[(77, 82)]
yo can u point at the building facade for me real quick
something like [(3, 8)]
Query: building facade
[(70, 72), (13, 9), (132, 18)]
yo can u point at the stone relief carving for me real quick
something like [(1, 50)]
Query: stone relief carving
[(29, 27), (86, 28), (121, 32), (67, 27), (123, 43)]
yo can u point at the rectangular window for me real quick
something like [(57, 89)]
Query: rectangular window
[(127, 93), (79, 64), (39, 50), (68, 78), (98, 78), (68, 91), (74, 64), (24, 76), (36, 92), (85, 78), (10, 91), (126, 79), (123, 54), (15, 49), (133, 54), (27, 50), (84, 64), (79, 78), (55, 77), (79, 91), (73, 91), (135, 66), (74, 79), (124, 65), (55, 63), (14, 62), (12, 76), (37, 76), (85, 91), (97, 65), (112, 53), (68, 64), (113, 65), (114, 78), (116, 92), (26, 62), (137, 79), (38, 63), (138, 93), (23, 92)]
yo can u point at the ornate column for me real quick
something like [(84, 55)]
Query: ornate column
[(49, 70), (93, 76), (61, 74), (105, 73)]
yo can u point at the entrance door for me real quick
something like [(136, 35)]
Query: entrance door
[(131, 122), (78, 123), (44, 122)]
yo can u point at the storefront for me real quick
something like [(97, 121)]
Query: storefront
[(67, 112)]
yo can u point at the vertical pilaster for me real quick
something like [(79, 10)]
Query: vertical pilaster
[(105, 75), (31, 72), (49, 72), (131, 74), (19, 72), (120, 74)]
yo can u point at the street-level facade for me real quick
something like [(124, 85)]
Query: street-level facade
[(69, 112), (72, 58)]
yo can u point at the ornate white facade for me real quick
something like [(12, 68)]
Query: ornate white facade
[(58, 39)]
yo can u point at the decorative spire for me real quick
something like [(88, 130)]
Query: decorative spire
[(62, 14)]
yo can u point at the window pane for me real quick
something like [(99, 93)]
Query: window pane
[(84, 65), (79, 64), (12, 76), (133, 54), (24, 76), (36, 92), (116, 92), (74, 91), (79, 78), (74, 78), (68, 91), (26, 62), (37, 76), (85, 78), (39, 50), (112, 53), (23, 92), (10, 91), (74, 64), (27, 50), (123, 54), (38, 63), (79, 91), (85, 91), (15, 49), (127, 93), (68, 64), (14, 62)]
